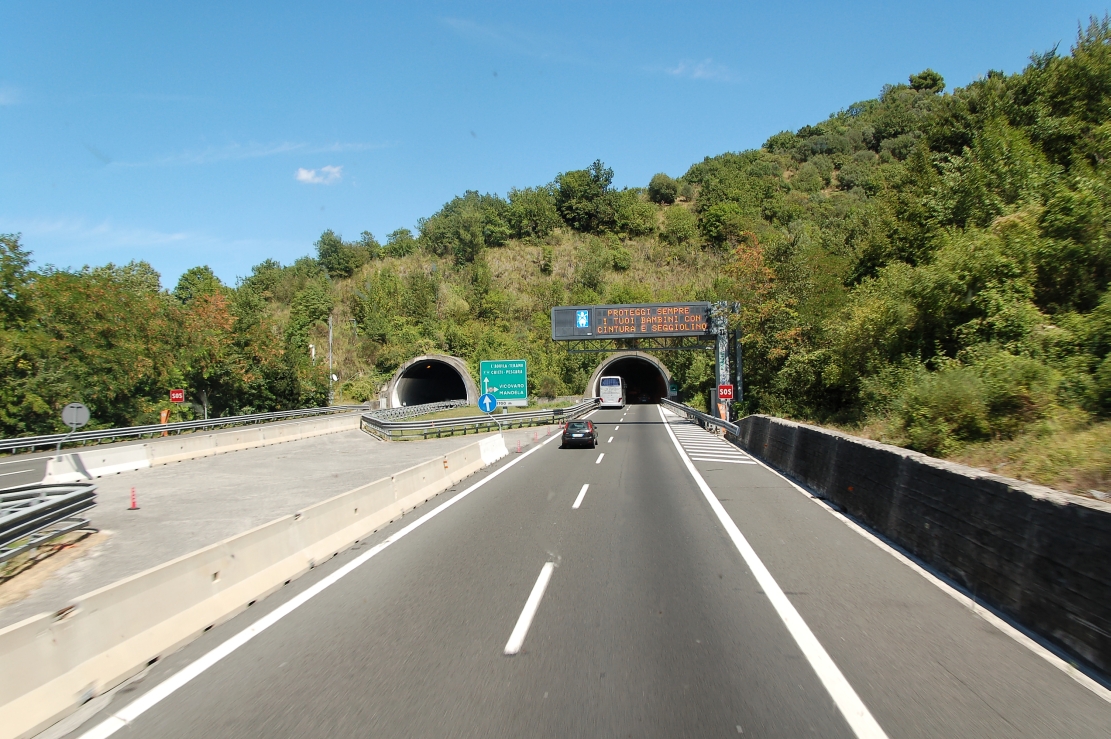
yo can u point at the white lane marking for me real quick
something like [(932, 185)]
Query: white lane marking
[(617, 427), (848, 702), (167, 687), (727, 461), (17, 472), (716, 453), (599, 459), (582, 494), (961, 597), (517, 638), (610, 440)]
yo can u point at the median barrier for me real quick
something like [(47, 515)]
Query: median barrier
[(86, 465), (1038, 555), (51, 663)]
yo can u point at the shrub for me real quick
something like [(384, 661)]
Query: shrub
[(680, 226), (400, 243), (632, 215), (663, 189), (943, 410), (532, 212)]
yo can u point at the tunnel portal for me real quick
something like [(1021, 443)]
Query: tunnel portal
[(431, 379), (646, 380)]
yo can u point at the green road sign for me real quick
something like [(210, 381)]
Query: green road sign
[(506, 380)]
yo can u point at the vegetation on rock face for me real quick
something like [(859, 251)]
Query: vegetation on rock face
[(931, 266)]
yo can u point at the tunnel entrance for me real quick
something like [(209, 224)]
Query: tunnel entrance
[(646, 380), (431, 379)]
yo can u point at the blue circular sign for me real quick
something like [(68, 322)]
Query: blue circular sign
[(487, 403)]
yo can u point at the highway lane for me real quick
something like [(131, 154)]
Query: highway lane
[(24, 470), (652, 623)]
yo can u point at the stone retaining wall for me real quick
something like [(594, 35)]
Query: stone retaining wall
[(1039, 555)]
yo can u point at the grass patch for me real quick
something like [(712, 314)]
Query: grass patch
[(1065, 454), (1066, 451)]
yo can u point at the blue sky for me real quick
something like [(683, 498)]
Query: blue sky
[(198, 133)]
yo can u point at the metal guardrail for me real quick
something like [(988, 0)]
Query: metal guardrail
[(704, 419), (397, 430), (408, 411), (31, 515), (157, 429)]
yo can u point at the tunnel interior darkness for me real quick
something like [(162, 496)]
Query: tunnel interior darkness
[(643, 380), (430, 381)]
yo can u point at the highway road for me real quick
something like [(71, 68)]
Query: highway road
[(24, 470), (662, 585)]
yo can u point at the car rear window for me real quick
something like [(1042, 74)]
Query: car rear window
[(577, 426)]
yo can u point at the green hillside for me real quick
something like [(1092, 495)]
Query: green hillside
[(927, 267)]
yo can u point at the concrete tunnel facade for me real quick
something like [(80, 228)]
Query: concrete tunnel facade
[(647, 379), (431, 378)]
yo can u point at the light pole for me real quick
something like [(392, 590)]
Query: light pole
[(331, 391)]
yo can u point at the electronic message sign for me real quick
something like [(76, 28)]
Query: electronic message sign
[(577, 322)]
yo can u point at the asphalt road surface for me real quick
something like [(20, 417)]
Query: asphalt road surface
[(685, 593)]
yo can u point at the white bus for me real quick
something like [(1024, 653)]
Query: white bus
[(612, 391)]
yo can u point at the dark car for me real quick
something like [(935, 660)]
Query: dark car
[(580, 433)]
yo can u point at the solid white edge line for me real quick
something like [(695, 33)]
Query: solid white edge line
[(582, 494), (118, 719), (17, 472), (983, 612), (520, 631), (860, 720), (599, 459)]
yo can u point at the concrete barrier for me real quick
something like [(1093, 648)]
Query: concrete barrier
[(98, 462), (1041, 556), (51, 663)]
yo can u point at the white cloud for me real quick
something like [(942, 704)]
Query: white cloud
[(324, 176), (237, 152), (9, 95), (706, 69)]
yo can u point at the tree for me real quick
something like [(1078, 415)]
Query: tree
[(581, 198), (663, 189), (14, 278), (400, 243), (927, 81), (532, 212), (195, 282), (465, 226), (341, 259)]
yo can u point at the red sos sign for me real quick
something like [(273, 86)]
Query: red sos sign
[(177, 396), (725, 392)]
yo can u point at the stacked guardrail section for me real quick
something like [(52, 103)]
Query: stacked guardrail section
[(30, 443), (436, 427), (31, 515)]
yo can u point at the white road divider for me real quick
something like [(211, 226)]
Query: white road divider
[(51, 663), (110, 460)]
